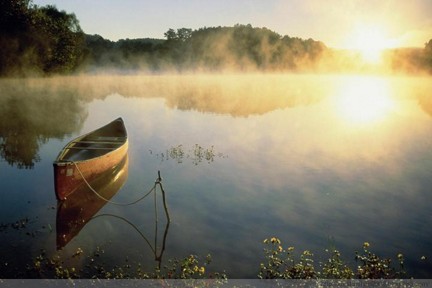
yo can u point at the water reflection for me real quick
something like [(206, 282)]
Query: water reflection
[(364, 100), (425, 102), (243, 96), (32, 111), (31, 115), (82, 206), (74, 213)]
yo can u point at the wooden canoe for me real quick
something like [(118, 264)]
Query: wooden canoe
[(88, 156), (78, 209)]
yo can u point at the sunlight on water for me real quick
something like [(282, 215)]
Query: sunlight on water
[(364, 100)]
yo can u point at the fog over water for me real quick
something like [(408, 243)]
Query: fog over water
[(318, 160)]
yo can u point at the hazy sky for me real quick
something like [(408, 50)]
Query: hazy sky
[(338, 23)]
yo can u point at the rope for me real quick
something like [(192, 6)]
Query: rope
[(158, 181), (154, 249), (131, 224)]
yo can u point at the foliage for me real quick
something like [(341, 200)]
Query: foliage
[(124, 54), (283, 263), (372, 266), (190, 267), (335, 268), (38, 40), (58, 38), (280, 263)]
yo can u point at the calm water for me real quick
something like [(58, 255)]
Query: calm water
[(318, 161)]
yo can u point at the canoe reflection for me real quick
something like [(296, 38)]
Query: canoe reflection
[(74, 212)]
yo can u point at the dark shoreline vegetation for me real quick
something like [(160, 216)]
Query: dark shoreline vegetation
[(278, 262), (43, 41)]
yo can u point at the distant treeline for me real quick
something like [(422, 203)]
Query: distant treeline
[(239, 48), (43, 41)]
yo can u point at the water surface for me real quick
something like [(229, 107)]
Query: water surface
[(318, 161)]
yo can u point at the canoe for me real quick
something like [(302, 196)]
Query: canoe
[(79, 207), (89, 155)]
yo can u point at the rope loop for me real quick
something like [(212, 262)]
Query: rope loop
[(158, 181)]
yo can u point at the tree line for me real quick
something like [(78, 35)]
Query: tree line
[(44, 41), (240, 48)]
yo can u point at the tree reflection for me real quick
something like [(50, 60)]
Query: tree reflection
[(31, 113), (425, 102), (242, 96)]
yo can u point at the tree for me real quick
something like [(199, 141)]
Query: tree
[(38, 39), (15, 20), (14, 16), (59, 39), (184, 34), (170, 34)]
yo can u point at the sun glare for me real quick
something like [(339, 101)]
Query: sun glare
[(364, 100), (370, 41)]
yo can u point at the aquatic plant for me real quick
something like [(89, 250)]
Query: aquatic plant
[(190, 267), (372, 266), (196, 155), (279, 263), (283, 263)]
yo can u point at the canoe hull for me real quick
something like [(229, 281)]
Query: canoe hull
[(82, 160)]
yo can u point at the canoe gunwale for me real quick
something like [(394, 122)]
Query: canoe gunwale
[(73, 162)]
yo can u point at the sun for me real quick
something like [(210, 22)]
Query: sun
[(370, 41)]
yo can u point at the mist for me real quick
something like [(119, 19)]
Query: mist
[(243, 49), (43, 41)]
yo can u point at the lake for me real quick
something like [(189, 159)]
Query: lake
[(318, 161)]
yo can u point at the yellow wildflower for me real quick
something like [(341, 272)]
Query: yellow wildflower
[(275, 240)]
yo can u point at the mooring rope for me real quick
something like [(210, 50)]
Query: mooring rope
[(131, 224), (158, 181)]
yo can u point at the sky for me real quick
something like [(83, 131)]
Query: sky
[(337, 23)]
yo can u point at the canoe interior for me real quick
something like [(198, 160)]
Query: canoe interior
[(96, 143)]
